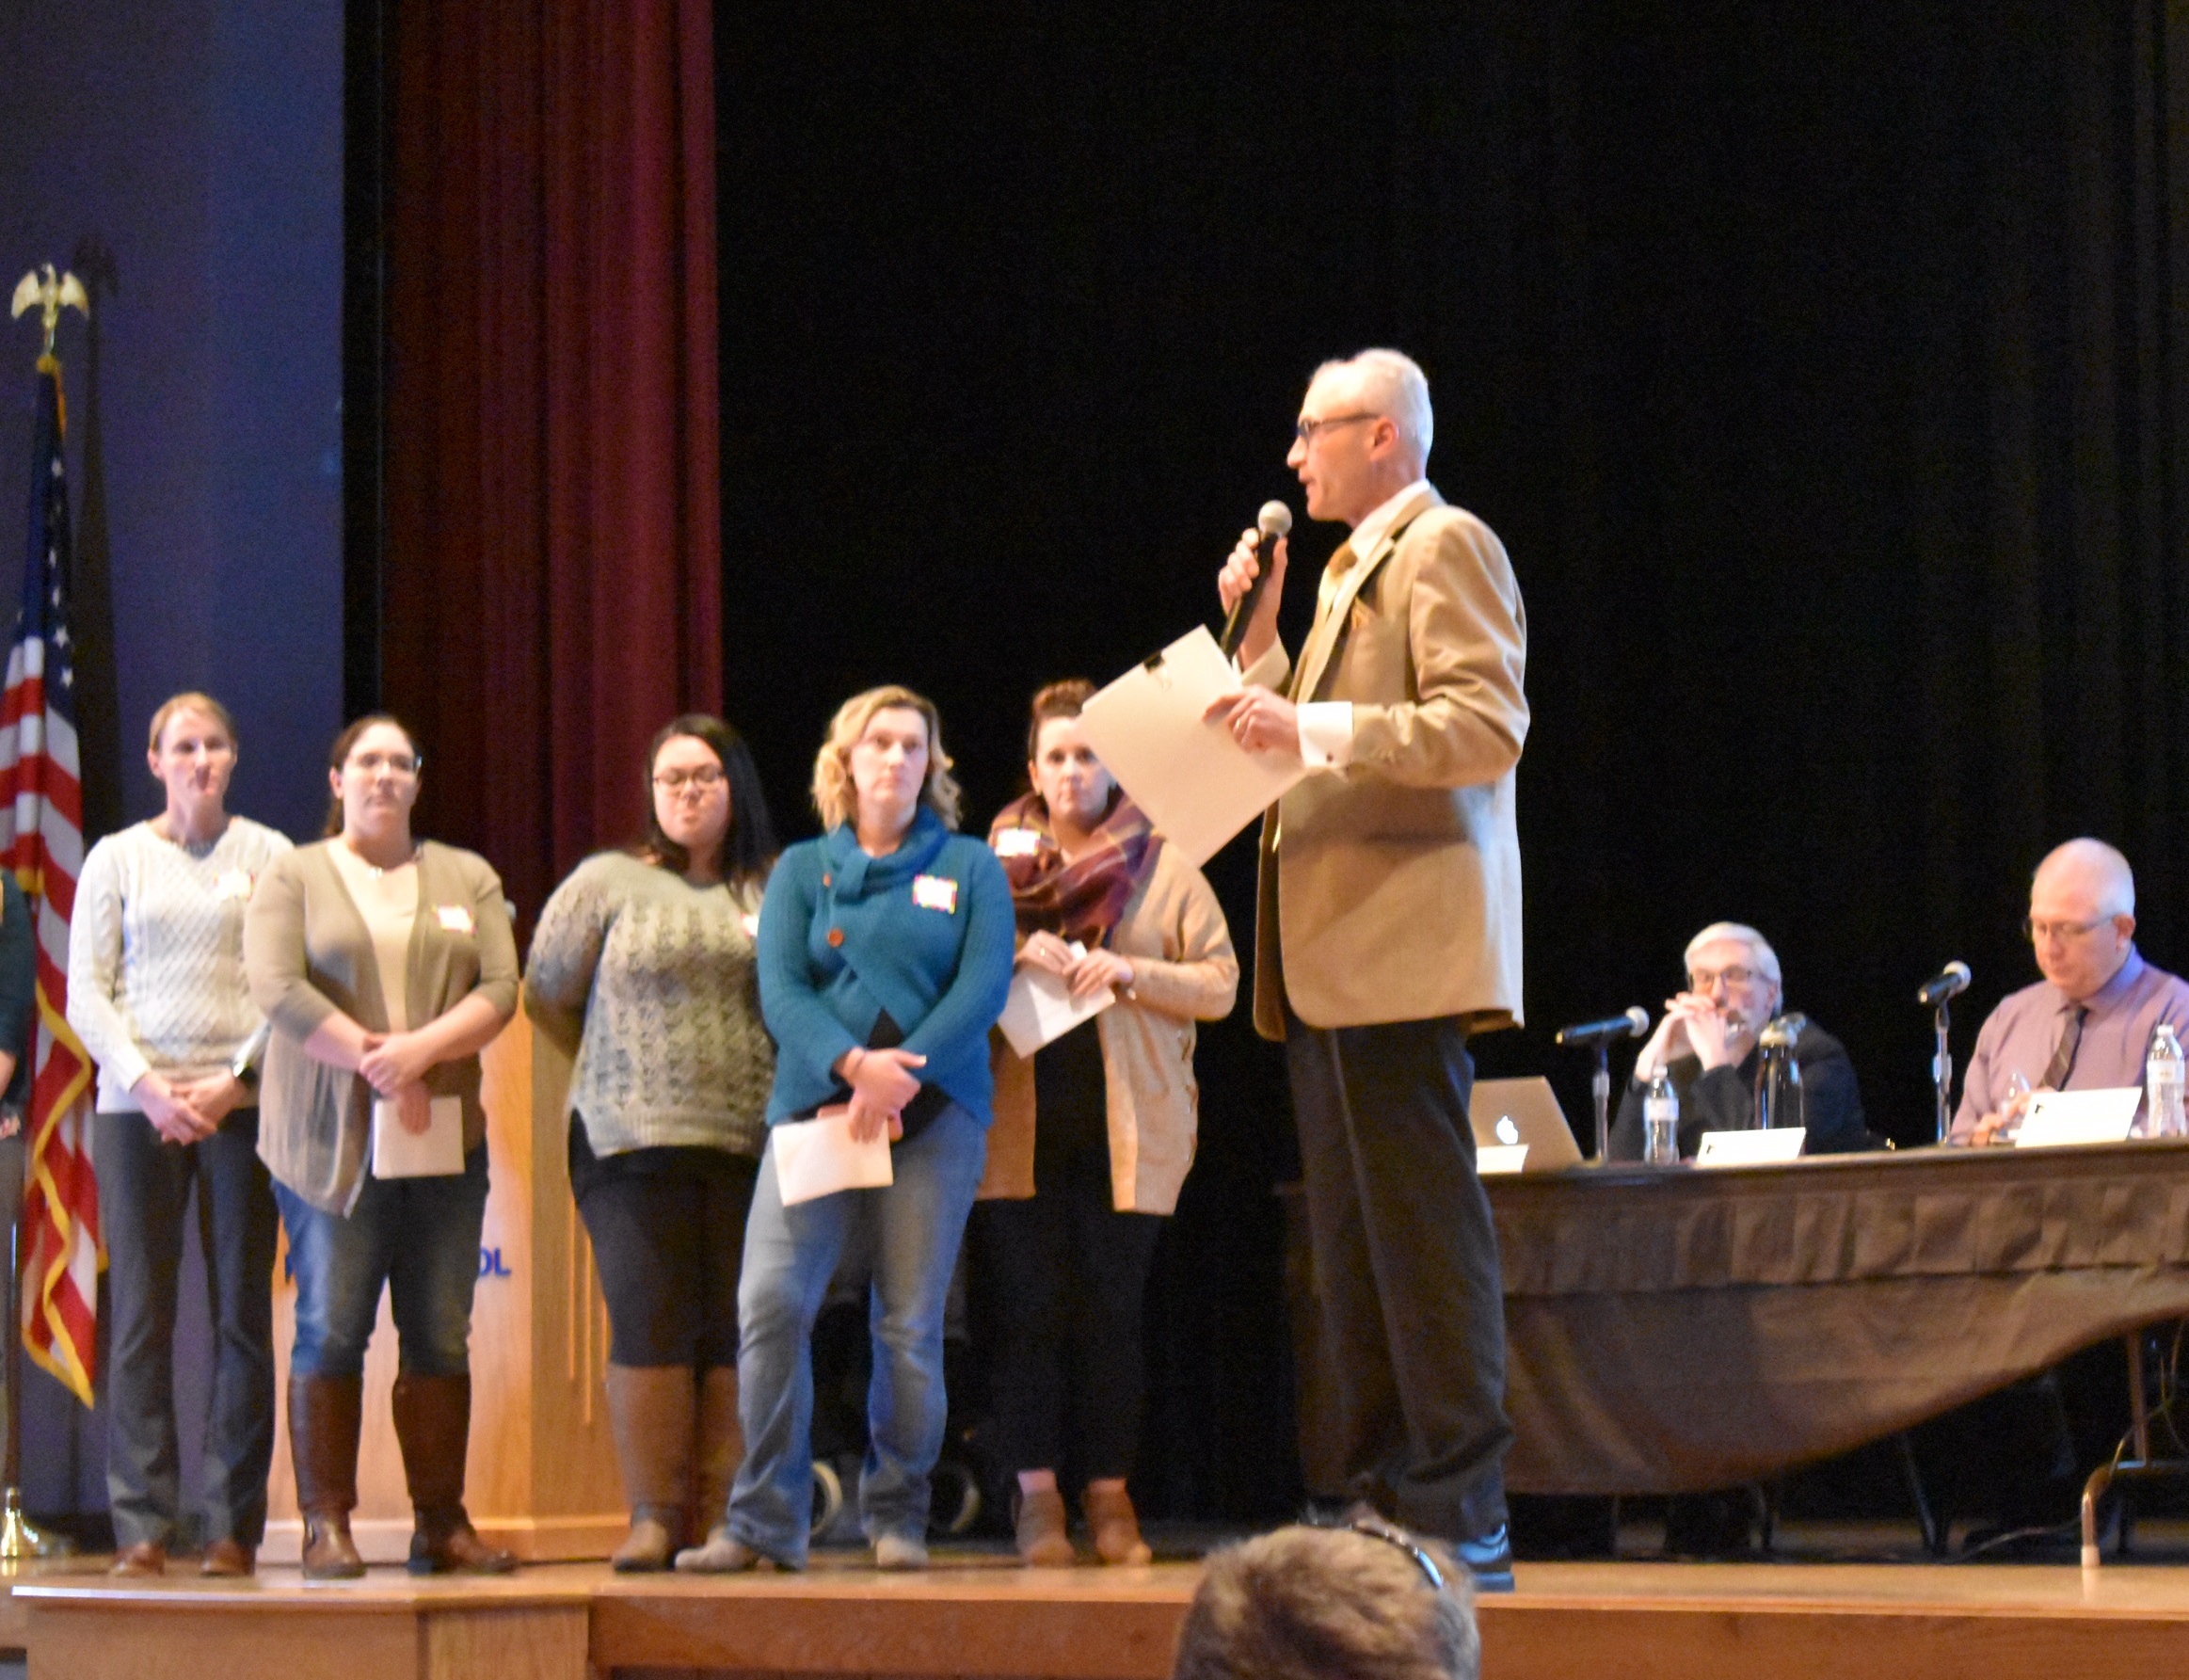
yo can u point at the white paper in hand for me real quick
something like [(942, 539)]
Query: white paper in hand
[(1040, 1008), (819, 1157), (1197, 784), (434, 1153)]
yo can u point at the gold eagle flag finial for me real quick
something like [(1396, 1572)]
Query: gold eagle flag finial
[(50, 295)]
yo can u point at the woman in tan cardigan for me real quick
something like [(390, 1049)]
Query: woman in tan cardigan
[(384, 966), (1075, 1203)]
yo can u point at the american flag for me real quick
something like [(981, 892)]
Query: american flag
[(41, 839)]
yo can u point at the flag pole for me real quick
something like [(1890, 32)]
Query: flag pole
[(21, 1541)]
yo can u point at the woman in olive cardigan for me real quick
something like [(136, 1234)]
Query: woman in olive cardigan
[(384, 966), (1094, 1134)]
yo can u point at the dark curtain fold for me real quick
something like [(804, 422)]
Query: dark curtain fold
[(553, 569)]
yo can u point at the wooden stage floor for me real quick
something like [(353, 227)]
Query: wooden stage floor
[(978, 1616)]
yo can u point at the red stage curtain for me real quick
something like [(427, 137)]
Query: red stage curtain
[(553, 581)]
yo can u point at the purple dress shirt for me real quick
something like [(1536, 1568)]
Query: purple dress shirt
[(2020, 1035)]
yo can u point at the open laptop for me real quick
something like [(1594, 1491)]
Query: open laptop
[(1508, 1111)]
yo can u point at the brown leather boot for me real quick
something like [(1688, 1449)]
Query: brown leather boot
[(325, 1417), (1109, 1513), (433, 1426), (649, 1413), (720, 1449)]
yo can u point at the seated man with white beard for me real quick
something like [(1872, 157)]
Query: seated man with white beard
[(1710, 1040)]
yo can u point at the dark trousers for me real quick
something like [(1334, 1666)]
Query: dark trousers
[(1406, 1269), (144, 1186), (1068, 1275), (668, 1233)]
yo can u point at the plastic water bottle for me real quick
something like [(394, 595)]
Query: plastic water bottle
[(1661, 1122), (2163, 1113)]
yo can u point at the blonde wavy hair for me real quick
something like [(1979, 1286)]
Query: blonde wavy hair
[(834, 797)]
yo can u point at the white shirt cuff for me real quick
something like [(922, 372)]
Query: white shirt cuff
[(1326, 734)]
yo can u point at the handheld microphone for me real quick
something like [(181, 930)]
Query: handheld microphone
[(1949, 982), (1273, 521), (1633, 1024)]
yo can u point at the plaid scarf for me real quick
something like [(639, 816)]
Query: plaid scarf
[(1082, 899)]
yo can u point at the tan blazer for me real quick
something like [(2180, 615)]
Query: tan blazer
[(1174, 933), (1391, 891), (308, 954)]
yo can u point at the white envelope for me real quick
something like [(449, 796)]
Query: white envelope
[(1040, 1008), (435, 1153), (819, 1157), (1197, 784), (2057, 1118)]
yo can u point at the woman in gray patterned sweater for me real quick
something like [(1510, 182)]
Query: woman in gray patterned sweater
[(643, 962)]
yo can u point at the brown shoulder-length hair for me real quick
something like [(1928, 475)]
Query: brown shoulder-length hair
[(834, 796), (337, 755), (748, 846)]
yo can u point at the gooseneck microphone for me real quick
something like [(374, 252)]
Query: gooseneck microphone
[(1633, 1024), (1936, 993), (1949, 982), (1273, 521)]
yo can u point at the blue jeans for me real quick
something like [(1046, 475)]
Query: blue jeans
[(789, 1254), (419, 1237)]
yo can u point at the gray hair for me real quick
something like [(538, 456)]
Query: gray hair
[(2112, 882), (1760, 951), (1393, 385)]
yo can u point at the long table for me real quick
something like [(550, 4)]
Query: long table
[(1669, 1331)]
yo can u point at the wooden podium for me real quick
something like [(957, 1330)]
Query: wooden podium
[(542, 1478)]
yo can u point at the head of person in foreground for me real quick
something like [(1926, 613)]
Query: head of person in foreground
[(1332, 1603)]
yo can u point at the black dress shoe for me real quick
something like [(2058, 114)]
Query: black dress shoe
[(1489, 1558)]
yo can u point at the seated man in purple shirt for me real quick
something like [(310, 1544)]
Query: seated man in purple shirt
[(2086, 1024)]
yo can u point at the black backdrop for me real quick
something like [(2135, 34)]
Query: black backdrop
[(1822, 367)]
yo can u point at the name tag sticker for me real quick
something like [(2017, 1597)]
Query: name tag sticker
[(935, 892), (1018, 842), (455, 919), (1751, 1148), (233, 884)]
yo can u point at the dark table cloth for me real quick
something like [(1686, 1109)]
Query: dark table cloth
[(1673, 1330)]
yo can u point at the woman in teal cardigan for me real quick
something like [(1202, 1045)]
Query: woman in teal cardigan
[(884, 956)]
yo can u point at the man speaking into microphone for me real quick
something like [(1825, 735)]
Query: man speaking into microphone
[(1388, 931)]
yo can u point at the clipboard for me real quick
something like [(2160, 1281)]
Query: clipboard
[(1197, 784)]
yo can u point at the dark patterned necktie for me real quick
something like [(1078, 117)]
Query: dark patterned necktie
[(2063, 1062)]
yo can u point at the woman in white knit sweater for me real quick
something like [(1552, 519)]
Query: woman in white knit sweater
[(156, 992), (643, 962)]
